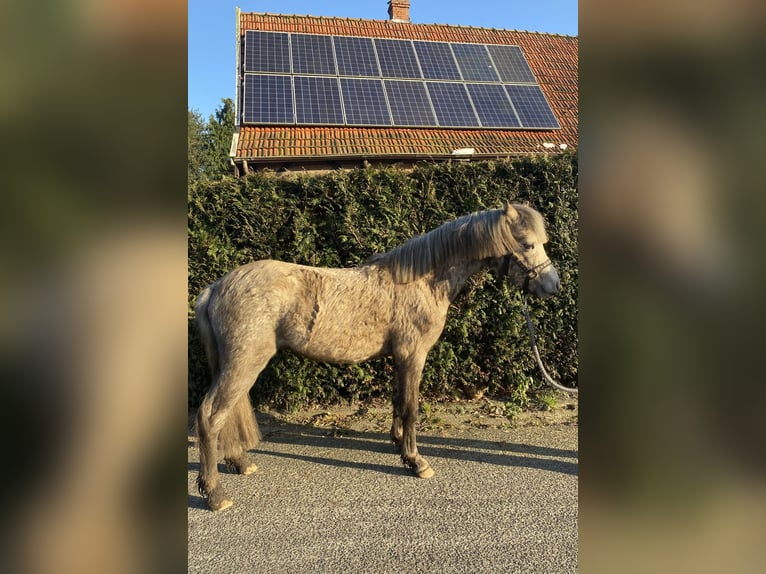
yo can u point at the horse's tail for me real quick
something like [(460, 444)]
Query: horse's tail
[(205, 329), (240, 431)]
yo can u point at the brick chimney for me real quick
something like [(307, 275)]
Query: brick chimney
[(399, 10)]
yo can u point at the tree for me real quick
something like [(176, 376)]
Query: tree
[(220, 129), (196, 143), (209, 142)]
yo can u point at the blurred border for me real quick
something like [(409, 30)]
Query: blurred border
[(92, 112), (671, 101)]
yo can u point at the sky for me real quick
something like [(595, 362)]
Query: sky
[(212, 29)]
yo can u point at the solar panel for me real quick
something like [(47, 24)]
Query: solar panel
[(312, 54), (451, 104), (493, 106), (436, 61), (397, 59), (409, 103), (511, 64), (266, 52), (474, 62), (268, 99), (317, 100), (314, 79), (364, 102), (355, 56), (532, 107)]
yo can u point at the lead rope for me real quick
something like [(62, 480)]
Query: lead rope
[(546, 376)]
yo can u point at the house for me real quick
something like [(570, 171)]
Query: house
[(322, 116)]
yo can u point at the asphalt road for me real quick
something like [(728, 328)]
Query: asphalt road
[(501, 501)]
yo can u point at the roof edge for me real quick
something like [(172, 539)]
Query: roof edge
[(399, 155), (383, 157), (396, 23)]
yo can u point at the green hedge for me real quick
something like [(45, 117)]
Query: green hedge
[(341, 218)]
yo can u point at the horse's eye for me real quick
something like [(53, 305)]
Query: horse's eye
[(528, 246)]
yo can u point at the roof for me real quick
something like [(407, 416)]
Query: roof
[(552, 58)]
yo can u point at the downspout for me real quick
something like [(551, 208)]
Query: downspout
[(236, 69), (235, 136)]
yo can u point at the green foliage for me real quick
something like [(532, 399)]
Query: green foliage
[(339, 219), (209, 143), (196, 145)]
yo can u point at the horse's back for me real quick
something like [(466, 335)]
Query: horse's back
[(329, 314), (250, 280)]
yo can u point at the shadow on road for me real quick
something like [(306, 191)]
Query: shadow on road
[(326, 440), (451, 448)]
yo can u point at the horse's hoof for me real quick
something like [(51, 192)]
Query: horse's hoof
[(223, 505), (242, 464), (217, 501), (427, 472)]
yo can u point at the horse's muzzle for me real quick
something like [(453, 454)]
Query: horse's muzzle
[(541, 280), (545, 283)]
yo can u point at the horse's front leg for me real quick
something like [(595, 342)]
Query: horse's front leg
[(408, 372), (397, 430)]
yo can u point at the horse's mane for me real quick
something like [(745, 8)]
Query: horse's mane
[(472, 237)]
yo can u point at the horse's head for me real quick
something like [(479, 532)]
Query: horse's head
[(527, 264)]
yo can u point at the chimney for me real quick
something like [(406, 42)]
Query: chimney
[(399, 10)]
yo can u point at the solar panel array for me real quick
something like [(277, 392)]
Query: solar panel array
[(310, 79)]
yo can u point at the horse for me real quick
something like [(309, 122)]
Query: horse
[(394, 304)]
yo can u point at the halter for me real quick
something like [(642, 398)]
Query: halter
[(531, 272)]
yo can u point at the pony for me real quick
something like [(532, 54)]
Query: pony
[(394, 304)]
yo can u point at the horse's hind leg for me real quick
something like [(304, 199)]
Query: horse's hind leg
[(207, 432), (217, 426), (239, 434), (226, 425), (408, 373)]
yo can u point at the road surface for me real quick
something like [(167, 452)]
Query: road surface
[(502, 500)]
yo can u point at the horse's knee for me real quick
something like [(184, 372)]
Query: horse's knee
[(217, 421), (203, 416)]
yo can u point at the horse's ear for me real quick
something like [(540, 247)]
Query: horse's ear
[(510, 211)]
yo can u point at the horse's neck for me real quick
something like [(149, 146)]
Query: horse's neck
[(449, 282)]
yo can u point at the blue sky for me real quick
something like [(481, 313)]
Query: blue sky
[(212, 29)]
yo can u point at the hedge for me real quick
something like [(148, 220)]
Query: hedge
[(340, 218)]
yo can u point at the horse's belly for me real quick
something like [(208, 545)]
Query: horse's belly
[(337, 316), (345, 341)]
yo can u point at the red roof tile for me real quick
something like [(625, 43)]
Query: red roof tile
[(553, 59)]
